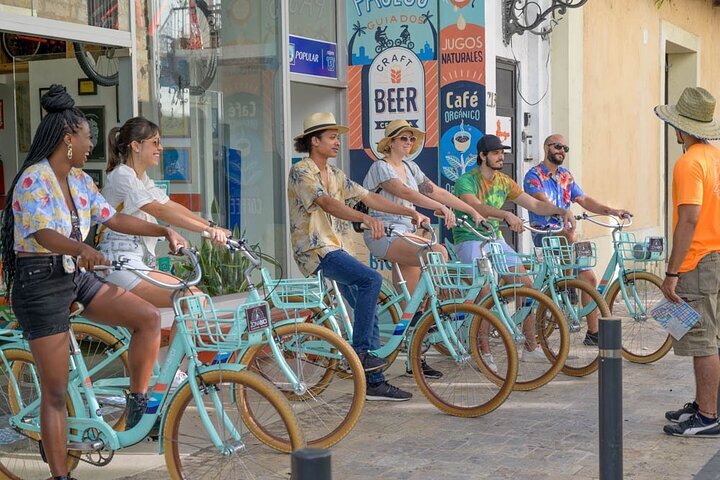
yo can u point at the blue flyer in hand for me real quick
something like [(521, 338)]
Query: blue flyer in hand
[(676, 318)]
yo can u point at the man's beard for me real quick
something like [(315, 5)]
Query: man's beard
[(497, 169), (554, 159)]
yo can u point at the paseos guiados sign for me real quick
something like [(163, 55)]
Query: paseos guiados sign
[(396, 91)]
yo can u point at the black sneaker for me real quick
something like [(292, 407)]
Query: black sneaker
[(135, 406), (416, 318), (387, 392), (591, 339), (694, 427), (427, 370), (371, 361), (685, 413)]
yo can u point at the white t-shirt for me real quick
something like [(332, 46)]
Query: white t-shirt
[(124, 186), (381, 171)]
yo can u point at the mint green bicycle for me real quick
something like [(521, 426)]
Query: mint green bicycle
[(206, 431)]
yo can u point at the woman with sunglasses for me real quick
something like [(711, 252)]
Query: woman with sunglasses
[(402, 181)]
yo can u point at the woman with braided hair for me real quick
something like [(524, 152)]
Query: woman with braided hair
[(52, 203)]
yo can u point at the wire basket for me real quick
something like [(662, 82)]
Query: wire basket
[(210, 329), (455, 276), (505, 263), (559, 255), (296, 293), (652, 249)]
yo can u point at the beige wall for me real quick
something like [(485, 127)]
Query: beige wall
[(623, 80)]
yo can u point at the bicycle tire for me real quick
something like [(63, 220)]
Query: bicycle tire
[(582, 360), (535, 375), (189, 456), (475, 374), (11, 53), (90, 61), (321, 410), (640, 334), (19, 452), (100, 342), (207, 62)]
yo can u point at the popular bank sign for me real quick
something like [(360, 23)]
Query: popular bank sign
[(422, 61)]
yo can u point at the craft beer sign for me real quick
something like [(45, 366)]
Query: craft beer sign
[(397, 91)]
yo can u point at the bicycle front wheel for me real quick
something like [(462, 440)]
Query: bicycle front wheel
[(525, 304), (328, 407), (19, 449), (189, 451), (99, 63), (582, 358), (643, 339), (466, 388)]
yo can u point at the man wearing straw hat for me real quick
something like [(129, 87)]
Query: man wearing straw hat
[(693, 270), (320, 196)]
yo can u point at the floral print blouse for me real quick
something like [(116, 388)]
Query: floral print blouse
[(314, 233), (38, 203)]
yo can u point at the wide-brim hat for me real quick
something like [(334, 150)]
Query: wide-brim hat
[(320, 121), (395, 128), (693, 114)]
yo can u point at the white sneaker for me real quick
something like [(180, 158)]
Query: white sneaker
[(536, 356), (489, 362), (180, 377)]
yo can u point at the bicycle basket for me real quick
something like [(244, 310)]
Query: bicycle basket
[(650, 250), (560, 255), (210, 329), (504, 262), (454, 276), (296, 293)]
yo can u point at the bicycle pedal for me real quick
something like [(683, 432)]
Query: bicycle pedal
[(86, 446)]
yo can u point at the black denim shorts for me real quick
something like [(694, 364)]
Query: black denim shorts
[(43, 293)]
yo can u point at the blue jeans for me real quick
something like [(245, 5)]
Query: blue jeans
[(357, 281)]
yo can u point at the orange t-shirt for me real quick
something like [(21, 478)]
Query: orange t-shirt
[(696, 181)]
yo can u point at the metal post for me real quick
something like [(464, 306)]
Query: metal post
[(610, 399), (311, 464)]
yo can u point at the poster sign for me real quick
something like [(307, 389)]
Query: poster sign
[(312, 57), (462, 87), (234, 187), (503, 130)]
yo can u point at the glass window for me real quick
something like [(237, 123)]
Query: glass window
[(217, 95), (314, 19)]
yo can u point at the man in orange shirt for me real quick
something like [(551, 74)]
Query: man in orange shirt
[(693, 271)]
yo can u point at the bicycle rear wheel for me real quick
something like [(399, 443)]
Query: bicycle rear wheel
[(329, 407), (98, 62), (189, 452), (532, 375), (582, 359), (643, 339), (19, 449), (466, 388), (190, 66)]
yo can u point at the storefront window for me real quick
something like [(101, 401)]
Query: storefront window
[(217, 95), (112, 14), (314, 19)]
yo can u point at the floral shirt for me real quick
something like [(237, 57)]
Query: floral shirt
[(314, 233), (560, 189), (38, 203)]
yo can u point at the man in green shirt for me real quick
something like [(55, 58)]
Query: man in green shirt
[(486, 189)]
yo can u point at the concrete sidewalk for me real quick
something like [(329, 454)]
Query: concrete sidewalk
[(550, 433)]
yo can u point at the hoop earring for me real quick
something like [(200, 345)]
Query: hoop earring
[(69, 151)]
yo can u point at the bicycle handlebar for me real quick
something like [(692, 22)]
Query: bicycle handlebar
[(549, 229), (626, 221), (122, 265), (463, 222), (390, 232), (240, 245)]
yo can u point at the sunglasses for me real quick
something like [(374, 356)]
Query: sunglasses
[(559, 146), (405, 138)]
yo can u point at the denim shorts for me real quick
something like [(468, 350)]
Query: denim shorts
[(132, 250), (43, 293), (379, 248)]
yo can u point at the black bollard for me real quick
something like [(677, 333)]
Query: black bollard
[(610, 399), (311, 464)]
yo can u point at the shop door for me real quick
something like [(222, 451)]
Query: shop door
[(504, 128)]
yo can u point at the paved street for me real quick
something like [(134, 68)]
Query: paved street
[(549, 433)]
